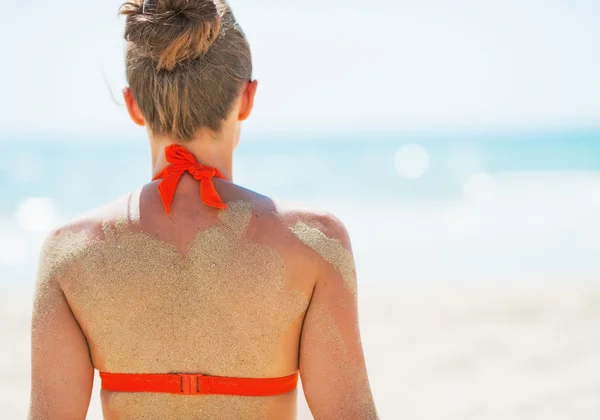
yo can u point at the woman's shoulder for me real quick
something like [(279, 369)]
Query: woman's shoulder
[(66, 244), (324, 235), (293, 213), (303, 224), (303, 217), (91, 222)]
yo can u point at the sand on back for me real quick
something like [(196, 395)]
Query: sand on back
[(218, 292)]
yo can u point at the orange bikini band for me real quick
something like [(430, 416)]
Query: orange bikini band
[(195, 384), (182, 161)]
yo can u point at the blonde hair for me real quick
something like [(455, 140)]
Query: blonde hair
[(186, 63)]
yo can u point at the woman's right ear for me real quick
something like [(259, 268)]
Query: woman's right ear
[(132, 108)]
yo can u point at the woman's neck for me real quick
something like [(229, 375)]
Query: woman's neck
[(208, 150)]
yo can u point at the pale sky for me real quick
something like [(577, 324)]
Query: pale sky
[(382, 65)]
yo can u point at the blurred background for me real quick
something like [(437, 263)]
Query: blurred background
[(459, 141)]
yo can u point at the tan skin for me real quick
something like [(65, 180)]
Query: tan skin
[(320, 338)]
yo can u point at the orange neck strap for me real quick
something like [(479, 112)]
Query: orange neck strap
[(194, 384), (181, 161)]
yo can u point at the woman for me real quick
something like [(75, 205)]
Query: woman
[(196, 305)]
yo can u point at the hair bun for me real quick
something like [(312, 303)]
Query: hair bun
[(171, 31)]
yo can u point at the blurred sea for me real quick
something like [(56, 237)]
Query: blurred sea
[(501, 206)]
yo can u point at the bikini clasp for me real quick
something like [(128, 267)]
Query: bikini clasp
[(190, 383)]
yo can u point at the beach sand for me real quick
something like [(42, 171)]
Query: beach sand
[(474, 352)]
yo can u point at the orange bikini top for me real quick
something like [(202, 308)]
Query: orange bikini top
[(181, 161)]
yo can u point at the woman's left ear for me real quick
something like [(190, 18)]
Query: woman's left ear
[(248, 95), (132, 108)]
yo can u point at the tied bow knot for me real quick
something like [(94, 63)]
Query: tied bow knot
[(199, 171), (181, 161)]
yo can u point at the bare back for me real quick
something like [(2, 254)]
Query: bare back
[(250, 291)]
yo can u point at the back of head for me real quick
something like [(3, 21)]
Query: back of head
[(186, 63)]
